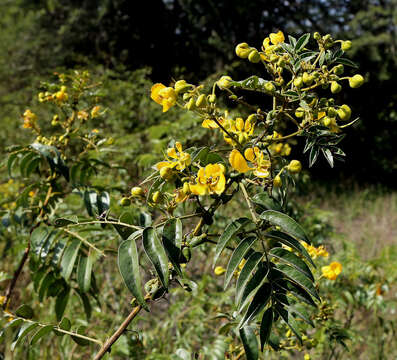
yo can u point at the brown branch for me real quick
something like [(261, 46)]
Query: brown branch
[(108, 344)]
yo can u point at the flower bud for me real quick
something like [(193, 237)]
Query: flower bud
[(307, 78), (186, 96), (156, 197), (300, 112), (294, 166), (335, 87), (219, 270), (331, 112), (201, 101), (327, 38), (224, 82), (326, 120), (254, 56), (346, 45), (187, 253), (125, 201), (338, 69), (186, 188), (281, 62), (243, 50), (317, 36), (137, 191), (344, 112), (269, 87), (190, 105), (277, 182), (181, 86), (298, 82), (239, 124), (212, 98), (166, 173), (356, 81), (274, 58)]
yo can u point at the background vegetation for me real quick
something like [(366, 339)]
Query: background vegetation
[(128, 49)]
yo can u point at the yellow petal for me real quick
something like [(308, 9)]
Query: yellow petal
[(238, 162), (178, 146), (336, 267), (277, 38), (220, 185), (171, 152), (155, 93), (198, 189), (162, 164), (249, 154)]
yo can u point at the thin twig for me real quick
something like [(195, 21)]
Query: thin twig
[(249, 203), (77, 236)]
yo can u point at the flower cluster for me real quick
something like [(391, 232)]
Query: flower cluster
[(332, 270)]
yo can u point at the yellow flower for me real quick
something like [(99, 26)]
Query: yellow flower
[(209, 180), (294, 166), (182, 195), (95, 111), (61, 95), (165, 96), (219, 270), (277, 38), (211, 124), (29, 119), (82, 115), (176, 158), (255, 156), (332, 270), (313, 251)]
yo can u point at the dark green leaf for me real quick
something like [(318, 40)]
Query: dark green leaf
[(25, 329), (253, 285), (156, 254), (103, 202), (236, 258), (328, 156), (293, 260), (125, 231), (286, 223), (61, 302), (347, 62), (42, 332), (265, 202), (69, 258), (84, 270), (172, 241), (78, 340), (289, 320), (24, 311), (232, 229), (245, 274), (10, 163), (65, 324), (259, 301), (291, 242), (250, 343), (25, 161), (128, 263), (90, 201), (302, 41), (61, 222), (38, 238), (266, 326)]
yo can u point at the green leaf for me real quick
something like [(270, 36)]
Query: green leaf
[(347, 62), (258, 302), (25, 161), (286, 223), (172, 241), (86, 304), (38, 238), (293, 260), (42, 332), (314, 151), (298, 278), (156, 254), (302, 41), (69, 258), (289, 320), (65, 324), (78, 340), (84, 270), (232, 229), (328, 156), (128, 263), (47, 281), (299, 311), (61, 302), (10, 163), (25, 329), (24, 311), (245, 274), (263, 200), (103, 202), (90, 201), (61, 222), (237, 257), (125, 231), (291, 242), (250, 343), (266, 326)]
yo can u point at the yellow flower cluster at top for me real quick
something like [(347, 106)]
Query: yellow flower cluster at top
[(332, 270), (314, 252)]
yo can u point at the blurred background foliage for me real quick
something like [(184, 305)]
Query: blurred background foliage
[(128, 48)]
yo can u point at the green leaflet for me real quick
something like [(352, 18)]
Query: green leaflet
[(236, 258), (250, 342), (25, 329), (84, 270), (291, 242), (69, 258), (266, 326), (289, 320), (156, 254), (128, 263), (61, 302), (233, 228), (24, 311), (172, 241), (42, 332), (258, 302), (288, 224), (293, 260)]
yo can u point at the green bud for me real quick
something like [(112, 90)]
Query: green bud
[(190, 105), (254, 56), (187, 254), (356, 81), (201, 101), (274, 58), (137, 191), (335, 87), (331, 112), (186, 96), (307, 78), (346, 45), (300, 112), (125, 201), (344, 112), (317, 36), (338, 69), (269, 87), (212, 98), (298, 82)]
